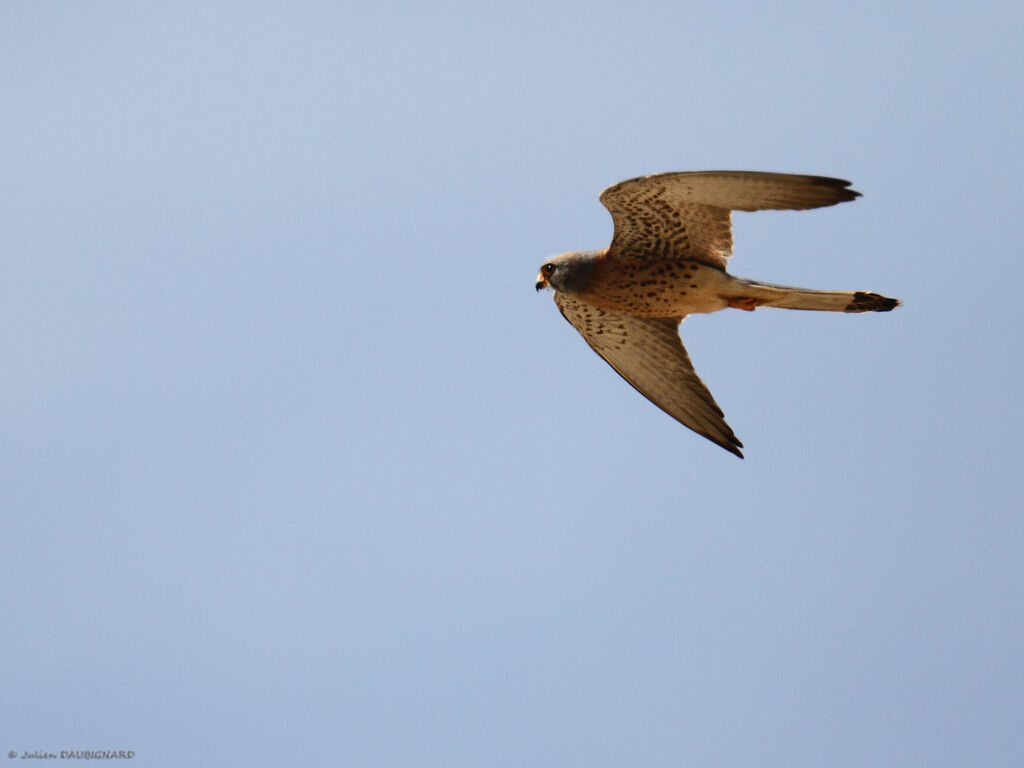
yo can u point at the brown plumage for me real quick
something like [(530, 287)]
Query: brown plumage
[(667, 259)]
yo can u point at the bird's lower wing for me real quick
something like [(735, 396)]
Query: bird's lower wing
[(648, 353)]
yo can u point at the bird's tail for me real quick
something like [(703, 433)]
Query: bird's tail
[(787, 297)]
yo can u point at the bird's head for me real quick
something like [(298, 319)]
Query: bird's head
[(568, 272)]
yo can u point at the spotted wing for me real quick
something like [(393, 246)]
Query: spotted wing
[(648, 353), (687, 215)]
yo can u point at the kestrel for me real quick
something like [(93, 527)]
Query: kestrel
[(667, 259)]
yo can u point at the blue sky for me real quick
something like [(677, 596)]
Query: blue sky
[(299, 468)]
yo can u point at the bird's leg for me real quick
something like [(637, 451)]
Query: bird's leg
[(746, 303)]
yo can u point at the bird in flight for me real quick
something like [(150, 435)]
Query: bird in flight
[(667, 259)]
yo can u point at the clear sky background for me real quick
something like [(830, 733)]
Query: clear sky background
[(297, 468)]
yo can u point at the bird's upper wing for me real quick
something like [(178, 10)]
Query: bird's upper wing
[(648, 353), (686, 215)]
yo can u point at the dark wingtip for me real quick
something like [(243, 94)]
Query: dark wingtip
[(733, 447), (840, 188)]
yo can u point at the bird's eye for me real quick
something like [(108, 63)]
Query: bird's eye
[(548, 269)]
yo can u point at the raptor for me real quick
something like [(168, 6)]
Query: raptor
[(667, 259)]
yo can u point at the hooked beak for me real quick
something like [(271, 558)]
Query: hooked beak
[(542, 282)]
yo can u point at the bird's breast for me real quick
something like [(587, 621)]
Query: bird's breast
[(667, 288)]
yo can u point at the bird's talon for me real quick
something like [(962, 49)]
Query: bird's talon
[(745, 303)]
